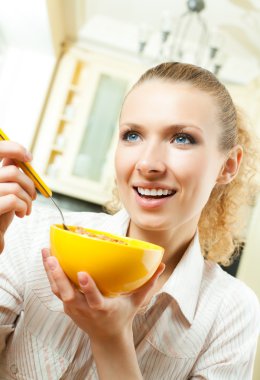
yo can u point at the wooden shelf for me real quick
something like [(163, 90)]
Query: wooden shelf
[(57, 149)]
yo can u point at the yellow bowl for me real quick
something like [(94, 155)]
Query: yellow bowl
[(116, 267)]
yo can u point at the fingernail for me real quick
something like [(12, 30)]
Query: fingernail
[(28, 156), (83, 280), (164, 268), (45, 254), (52, 263)]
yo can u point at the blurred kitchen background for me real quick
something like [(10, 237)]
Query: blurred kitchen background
[(66, 65)]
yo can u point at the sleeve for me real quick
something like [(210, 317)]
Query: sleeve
[(13, 264), (231, 347), (23, 240)]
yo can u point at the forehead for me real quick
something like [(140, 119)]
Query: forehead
[(158, 100)]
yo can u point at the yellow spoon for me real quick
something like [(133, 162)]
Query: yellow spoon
[(38, 182)]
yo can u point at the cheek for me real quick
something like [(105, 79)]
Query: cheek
[(123, 163), (193, 169), (186, 163)]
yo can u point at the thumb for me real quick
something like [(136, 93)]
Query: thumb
[(140, 294)]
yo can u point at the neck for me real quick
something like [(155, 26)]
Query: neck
[(174, 242)]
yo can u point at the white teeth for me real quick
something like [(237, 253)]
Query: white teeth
[(154, 192)]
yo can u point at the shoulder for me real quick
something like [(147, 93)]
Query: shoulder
[(237, 302), (230, 314), (226, 284)]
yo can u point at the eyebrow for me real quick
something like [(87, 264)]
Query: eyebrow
[(177, 126)]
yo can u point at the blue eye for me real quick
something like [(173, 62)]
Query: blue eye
[(183, 139), (130, 136)]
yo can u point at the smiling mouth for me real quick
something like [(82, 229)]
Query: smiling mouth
[(154, 193)]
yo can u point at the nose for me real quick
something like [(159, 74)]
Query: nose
[(151, 162)]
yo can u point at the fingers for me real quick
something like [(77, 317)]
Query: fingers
[(140, 295), (12, 174), (14, 198), (11, 203), (94, 300), (88, 287), (63, 288), (9, 161), (10, 149), (45, 254), (61, 285), (16, 191)]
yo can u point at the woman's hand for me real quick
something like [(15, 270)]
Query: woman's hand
[(102, 318), (16, 190), (107, 321)]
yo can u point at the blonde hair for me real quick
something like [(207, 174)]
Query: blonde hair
[(222, 224)]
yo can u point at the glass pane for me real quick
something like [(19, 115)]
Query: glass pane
[(100, 127)]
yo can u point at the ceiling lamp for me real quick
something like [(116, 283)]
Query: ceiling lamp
[(188, 39)]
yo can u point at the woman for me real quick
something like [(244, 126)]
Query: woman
[(181, 179)]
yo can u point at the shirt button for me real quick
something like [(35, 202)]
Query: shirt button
[(13, 369)]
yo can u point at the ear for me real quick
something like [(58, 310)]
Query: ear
[(231, 165)]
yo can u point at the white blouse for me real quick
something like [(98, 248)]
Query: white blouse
[(203, 323)]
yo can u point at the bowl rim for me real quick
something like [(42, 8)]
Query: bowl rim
[(134, 243)]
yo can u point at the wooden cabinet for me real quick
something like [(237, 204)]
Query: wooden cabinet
[(75, 145)]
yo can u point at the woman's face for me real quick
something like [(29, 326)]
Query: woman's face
[(167, 159)]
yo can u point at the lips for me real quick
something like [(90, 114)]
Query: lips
[(152, 202)]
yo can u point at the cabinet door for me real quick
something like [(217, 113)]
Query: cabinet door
[(99, 128), (80, 125)]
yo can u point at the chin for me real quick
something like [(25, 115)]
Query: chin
[(151, 224)]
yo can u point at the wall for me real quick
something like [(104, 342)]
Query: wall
[(249, 267), (27, 63), (248, 271)]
